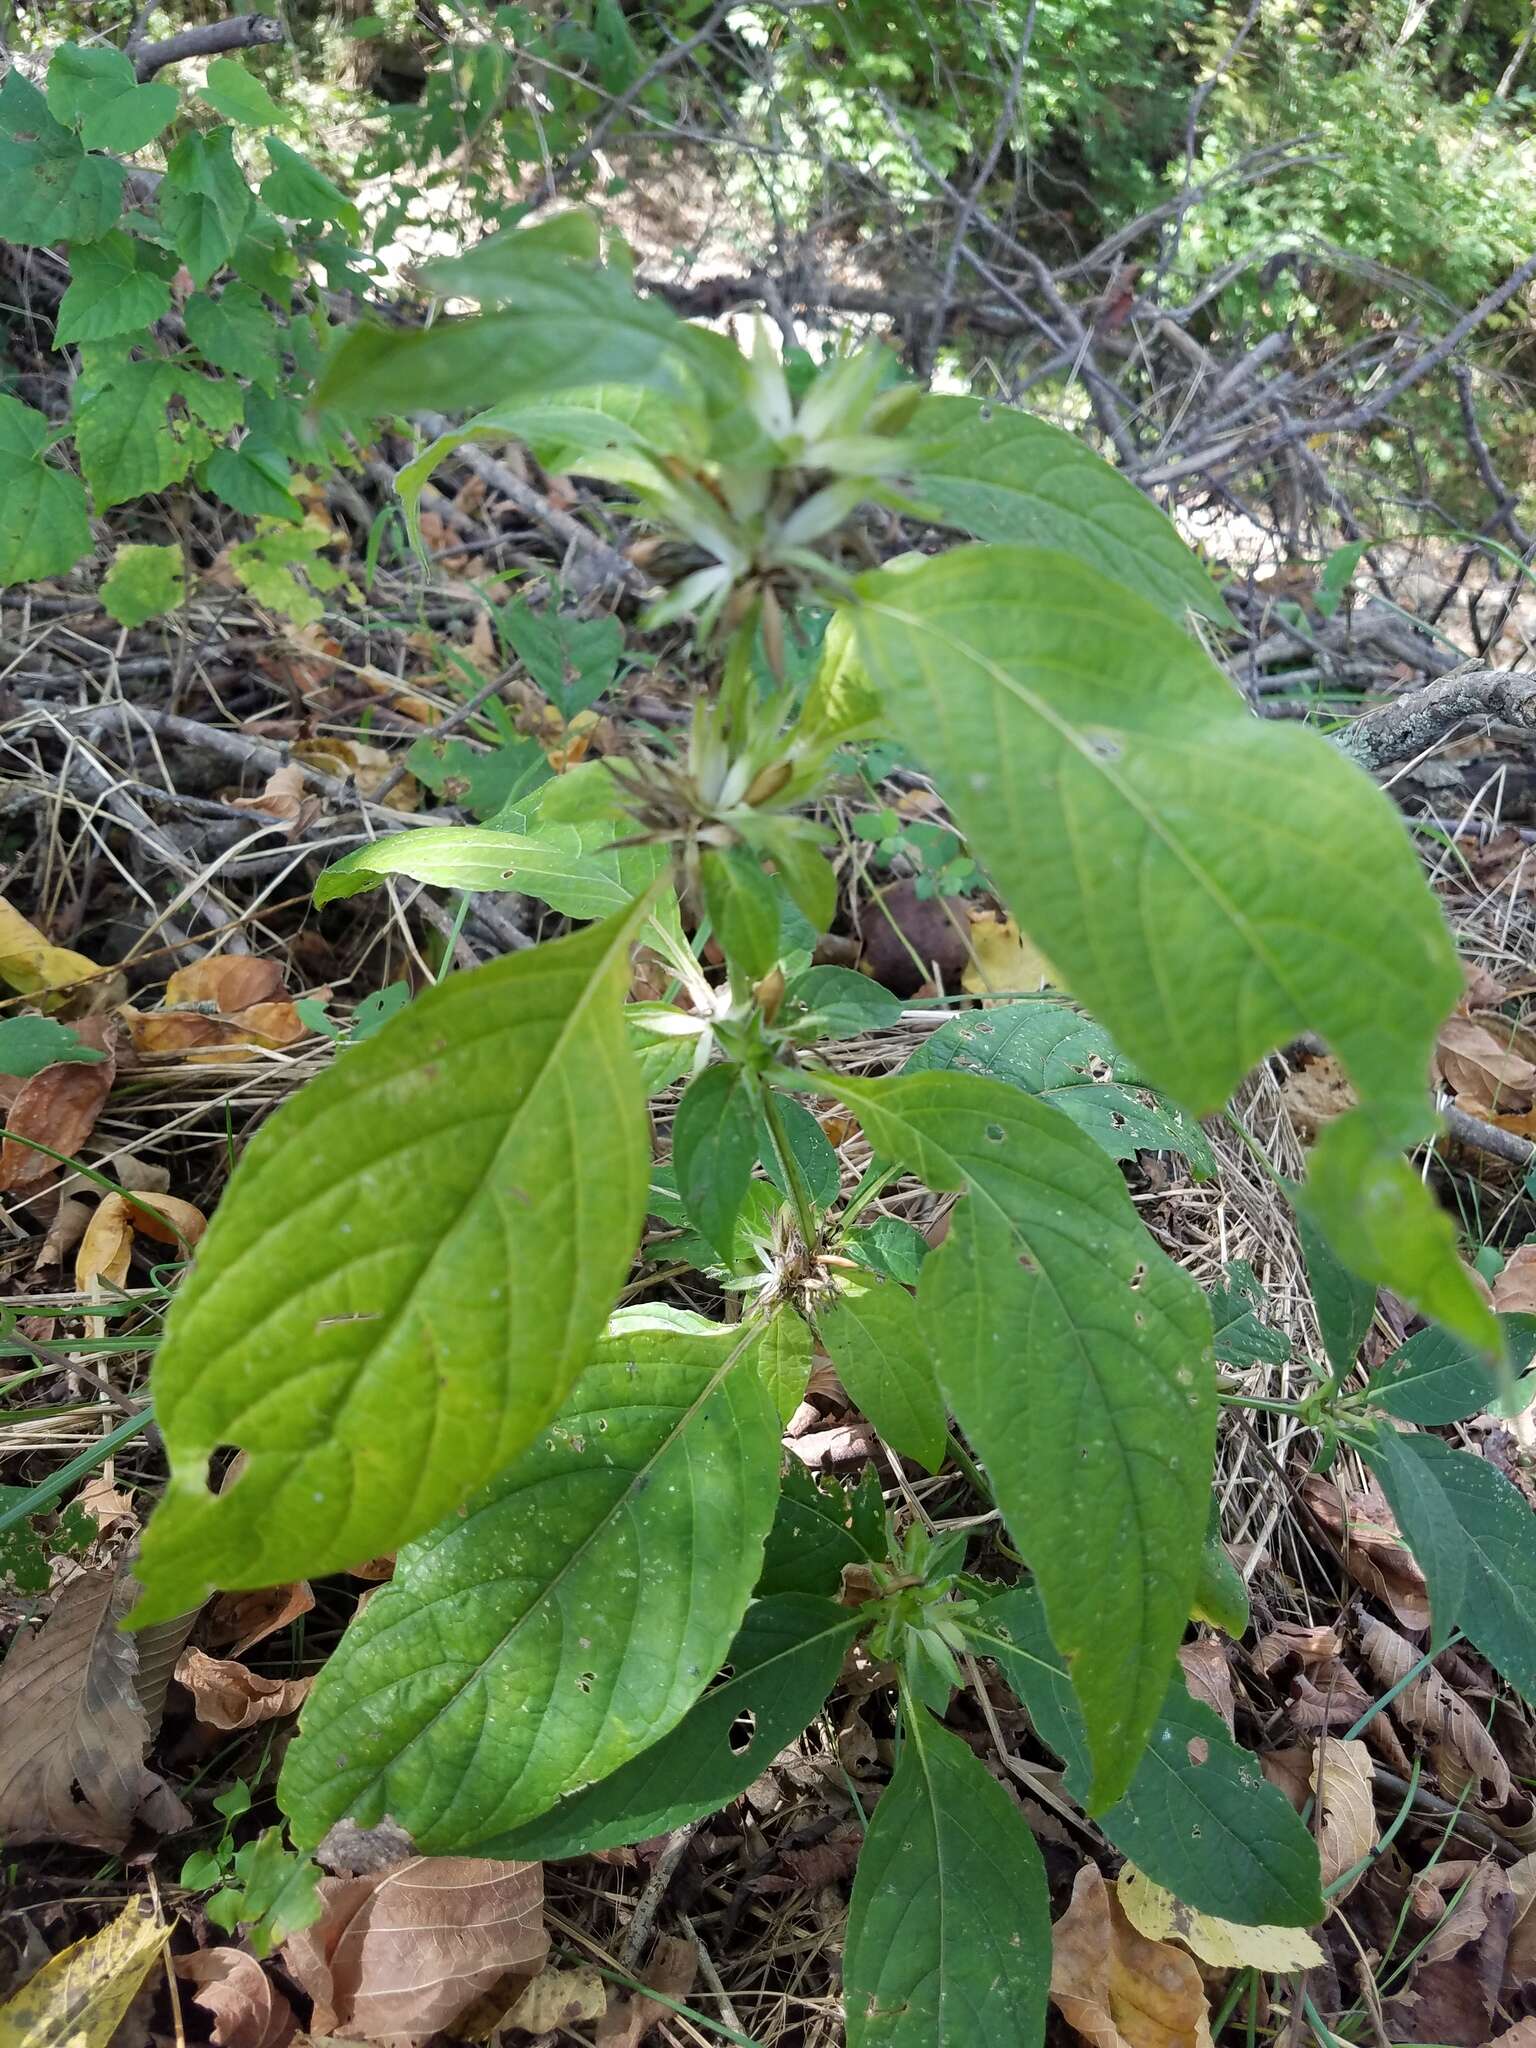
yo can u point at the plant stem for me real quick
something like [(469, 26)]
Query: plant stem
[(961, 1458), (789, 1167)]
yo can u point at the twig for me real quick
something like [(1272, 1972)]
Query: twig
[(1421, 718), (214, 39), (1489, 1138), (655, 1891)]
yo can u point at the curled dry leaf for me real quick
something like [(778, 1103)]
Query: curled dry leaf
[(558, 1998), (1208, 1676), (1514, 1290), (1340, 1780), (369, 767), (1290, 1641), (272, 1025), (1429, 1708), (283, 797), (1116, 1988), (101, 1263), (72, 1729), (1223, 1944), (167, 1219), (78, 1998), (1520, 1958), (1374, 1553), (226, 1694), (230, 981), (247, 2009), (1486, 1076), (1456, 1984), (671, 1970), (57, 1107), (238, 1621), (398, 1955)]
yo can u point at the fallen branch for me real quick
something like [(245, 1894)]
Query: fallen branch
[(1421, 718), (214, 39), (1489, 1138)]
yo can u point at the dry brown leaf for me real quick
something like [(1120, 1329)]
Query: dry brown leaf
[(1429, 1708), (282, 796), (227, 1694), (1481, 1070), (101, 1263), (167, 1219), (247, 2009), (1113, 1986), (1514, 1290), (72, 1730), (369, 767), (398, 1955), (1003, 959), (1329, 1696), (1340, 1779), (194, 1032), (1315, 1093), (1374, 1553), (1208, 1677), (559, 1998), (32, 964), (238, 1621), (1520, 1960), (230, 981), (673, 1966), (1288, 1640), (1456, 1983), (57, 1107)]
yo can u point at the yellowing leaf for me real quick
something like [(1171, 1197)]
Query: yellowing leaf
[(1004, 961), (1222, 1943), (77, 2000), (31, 964), (1116, 1988)]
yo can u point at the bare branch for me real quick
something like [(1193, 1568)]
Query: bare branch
[(215, 39), (1421, 718)]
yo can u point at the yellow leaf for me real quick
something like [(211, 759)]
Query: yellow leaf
[(77, 2000), (1003, 959), (1222, 1943), (28, 961)]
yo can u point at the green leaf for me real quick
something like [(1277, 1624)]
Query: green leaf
[(570, 1617), (949, 1936), (1176, 858), (297, 191), (803, 870), (889, 1245), (1221, 1596), (43, 527), (279, 1892), (1345, 1304), (54, 192), (743, 908), (483, 779), (571, 660), (551, 867), (205, 203), (401, 1284), (1076, 1357), (840, 1002), (95, 91), (235, 332), (1428, 1481), (809, 1148), (784, 1359), (124, 435), (1434, 1378), (254, 480), (1004, 475), (143, 583), (1053, 1051), (1383, 1224), (870, 1331), (1241, 1337), (714, 1148), (28, 1044), (1199, 1816), (818, 1528), (588, 799), (1430, 1526), (111, 291), (232, 91), (783, 1663)]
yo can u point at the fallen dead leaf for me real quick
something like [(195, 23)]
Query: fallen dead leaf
[(1431, 1710), (1485, 1075), (247, 2009), (1208, 1676), (194, 1032), (1224, 1944), (1315, 1093), (78, 1998), (167, 1219), (1374, 1553), (57, 1107), (1290, 1640), (673, 1966), (559, 1998), (72, 1729), (1340, 1779), (238, 1621), (369, 767), (1520, 1961), (1116, 1988), (101, 1263), (1003, 960), (230, 981), (32, 964), (397, 1955), (1456, 1982), (283, 796), (1514, 1290), (227, 1694)]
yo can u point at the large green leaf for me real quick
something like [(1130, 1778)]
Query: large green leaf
[(1077, 1358), (1055, 1052), (784, 1359), (1199, 1816), (1241, 1335), (1474, 1537), (128, 443), (714, 1148), (43, 527), (569, 1617), (235, 332), (551, 867), (112, 290), (93, 88), (818, 1527), (406, 1274), (1176, 858), (1434, 1379), (54, 191), (205, 203), (949, 1936), (1004, 475), (872, 1334), (783, 1663)]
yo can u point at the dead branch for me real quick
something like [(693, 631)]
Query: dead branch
[(1421, 718), (214, 39)]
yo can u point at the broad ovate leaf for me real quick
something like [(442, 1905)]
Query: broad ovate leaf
[(1177, 858), (1077, 1359), (949, 1937), (1003, 475), (569, 1617), (873, 1335), (43, 527), (784, 1359), (1434, 1378), (405, 1276), (1199, 1815), (549, 865), (783, 1663)]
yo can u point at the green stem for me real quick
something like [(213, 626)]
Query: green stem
[(50, 1489), (789, 1167), (961, 1458)]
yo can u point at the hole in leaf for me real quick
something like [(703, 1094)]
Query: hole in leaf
[(996, 1133), (586, 1681), (742, 1731), (221, 1476), (1199, 1749), (1139, 1274)]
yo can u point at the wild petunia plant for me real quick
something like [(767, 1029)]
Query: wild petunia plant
[(404, 1312)]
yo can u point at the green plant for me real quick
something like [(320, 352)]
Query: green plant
[(262, 1888), (403, 1314)]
